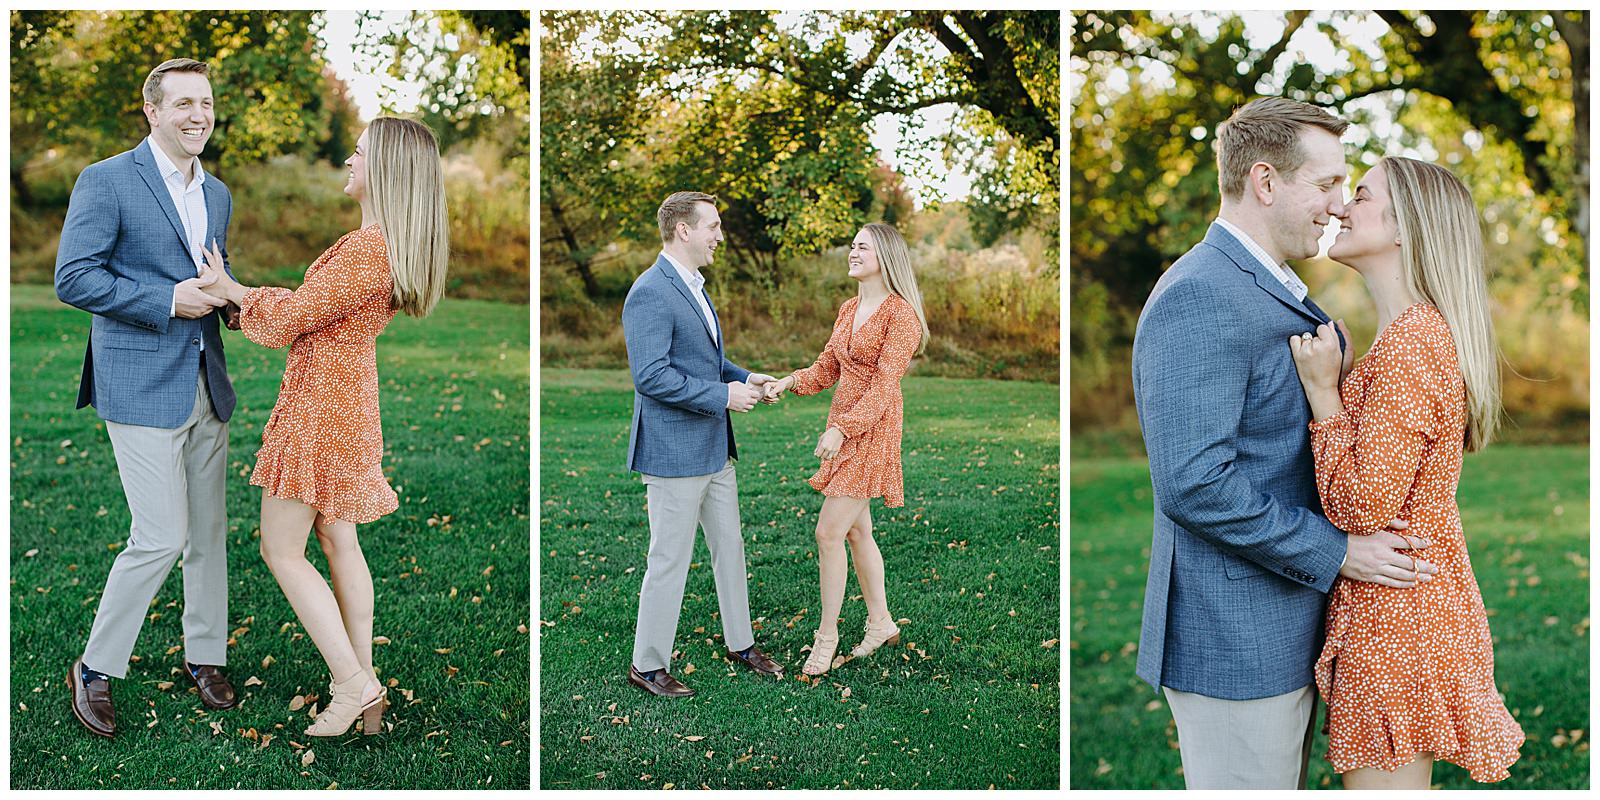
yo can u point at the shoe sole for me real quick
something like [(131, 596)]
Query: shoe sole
[(72, 687)]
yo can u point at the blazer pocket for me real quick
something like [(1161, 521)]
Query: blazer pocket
[(1237, 568), (132, 341)]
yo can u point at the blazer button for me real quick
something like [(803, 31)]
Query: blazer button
[(194, 341)]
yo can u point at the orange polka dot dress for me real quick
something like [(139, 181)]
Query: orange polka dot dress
[(867, 365), (1407, 671), (323, 445)]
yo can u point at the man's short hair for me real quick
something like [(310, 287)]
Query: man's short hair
[(152, 84), (1266, 130), (680, 207)]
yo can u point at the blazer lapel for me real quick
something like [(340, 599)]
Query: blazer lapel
[(688, 297), (158, 187), (1221, 239)]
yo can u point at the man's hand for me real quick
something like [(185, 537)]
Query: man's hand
[(765, 384), (742, 396), (190, 300), (1375, 558)]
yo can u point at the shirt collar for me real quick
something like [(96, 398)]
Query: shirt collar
[(1282, 272), (167, 169), (693, 278)]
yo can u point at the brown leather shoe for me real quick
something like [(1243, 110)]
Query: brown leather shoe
[(91, 702), (757, 661), (215, 691), (662, 685)]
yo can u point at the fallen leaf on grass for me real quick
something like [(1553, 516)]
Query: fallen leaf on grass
[(267, 662), (693, 738), (1049, 643), (252, 681), (297, 703), (380, 640), (441, 650), (308, 757), (164, 685)]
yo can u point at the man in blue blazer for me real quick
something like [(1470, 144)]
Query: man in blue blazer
[(1242, 558), (681, 442), (154, 370)]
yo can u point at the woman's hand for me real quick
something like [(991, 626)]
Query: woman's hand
[(828, 446), (774, 389), (1319, 363), (223, 286)]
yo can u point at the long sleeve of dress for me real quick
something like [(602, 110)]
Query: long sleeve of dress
[(824, 372), (274, 317), (1366, 464)]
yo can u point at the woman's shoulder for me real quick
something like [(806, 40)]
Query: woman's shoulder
[(1419, 339), (364, 245)]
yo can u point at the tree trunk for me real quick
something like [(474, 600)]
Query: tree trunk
[(1576, 35), (580, 261)]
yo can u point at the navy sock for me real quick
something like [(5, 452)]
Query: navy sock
[(88, 675), (745, 653), (649, 675)]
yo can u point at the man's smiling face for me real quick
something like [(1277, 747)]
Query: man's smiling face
[(183, 122)]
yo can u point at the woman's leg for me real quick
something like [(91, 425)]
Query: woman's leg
[(352, 584), (833, 524), (869, 566), (285, 526), (1416, 775)]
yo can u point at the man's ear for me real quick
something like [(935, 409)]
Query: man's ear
[(1263, 181), (150, 114)]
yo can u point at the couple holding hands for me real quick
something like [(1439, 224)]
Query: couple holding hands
[(681, 437), (144, 249)]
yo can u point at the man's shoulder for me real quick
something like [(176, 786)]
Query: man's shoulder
[(109, 167)]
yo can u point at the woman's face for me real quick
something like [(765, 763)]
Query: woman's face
[(356, 187), (863, 259), (1367, 228)]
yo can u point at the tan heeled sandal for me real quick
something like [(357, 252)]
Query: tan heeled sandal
[(822, 651), (345, 706), (875, 638), (372, 716)]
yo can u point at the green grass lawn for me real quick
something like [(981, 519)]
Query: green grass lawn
[(971, 697), (1525, 511), (450, 569)]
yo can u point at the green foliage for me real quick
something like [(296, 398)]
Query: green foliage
[(76, 83), (1525, 511), (450, 571), (772, 113), (971, 697), (474, 69)]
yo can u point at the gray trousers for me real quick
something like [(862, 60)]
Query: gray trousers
[(174, 480), (1244, 744), (676, 507)]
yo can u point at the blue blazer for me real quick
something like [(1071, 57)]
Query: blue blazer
[(122, 251), (1242, 557), (681, 425)]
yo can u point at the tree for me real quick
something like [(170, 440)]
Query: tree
[(77, 84)]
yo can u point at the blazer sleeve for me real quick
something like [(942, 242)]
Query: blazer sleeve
[(83, 278), (823, 372), (900, 342), (273, 316), (1367, 466), (647, 330), (1192, 363)]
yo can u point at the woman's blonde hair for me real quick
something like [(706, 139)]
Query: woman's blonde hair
[(894, 259), (406, 183), (1441, 250)]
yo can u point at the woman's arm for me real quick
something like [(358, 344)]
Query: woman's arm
[(822, 373), (275, 317), (1367, 465)]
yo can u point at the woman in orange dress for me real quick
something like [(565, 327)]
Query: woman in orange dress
[(1408, 674), (319, 465), (875, 336)]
